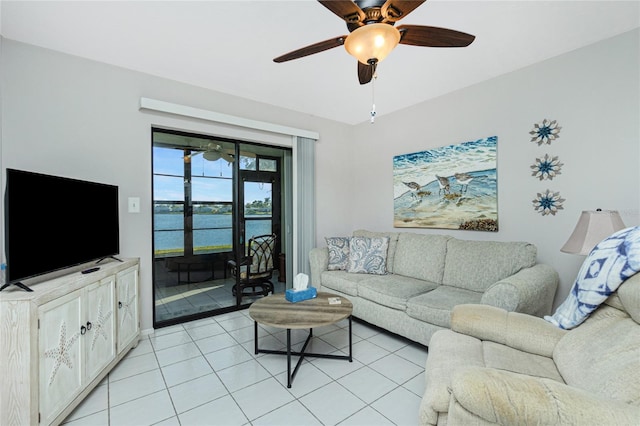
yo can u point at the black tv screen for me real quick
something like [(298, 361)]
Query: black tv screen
[(53, 222)]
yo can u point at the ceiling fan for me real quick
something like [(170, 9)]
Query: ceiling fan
[(373, 34), (214, 152)]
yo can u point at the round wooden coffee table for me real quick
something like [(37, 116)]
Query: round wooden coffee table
[(278, 312)]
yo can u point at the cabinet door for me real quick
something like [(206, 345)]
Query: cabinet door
[(99, 340), (127, 289), (60, 353)]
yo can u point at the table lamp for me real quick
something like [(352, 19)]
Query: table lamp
[(592, 227)]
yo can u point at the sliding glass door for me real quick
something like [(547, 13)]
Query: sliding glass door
[(197, 210)]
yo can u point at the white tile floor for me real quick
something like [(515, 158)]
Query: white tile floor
[(174, 300), (205, 373)]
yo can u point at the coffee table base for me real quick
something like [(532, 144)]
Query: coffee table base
[(302, 353)]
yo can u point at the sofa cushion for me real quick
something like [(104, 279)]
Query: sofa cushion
[(629, 297), (507, 358), (393, 241), (452, 352), (368, 255), (602, 355), (435, 306), (475, 265), (393, 290), (421, 256), (338, 253), (343, 281)]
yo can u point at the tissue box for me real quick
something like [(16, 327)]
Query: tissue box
[(300, 295)]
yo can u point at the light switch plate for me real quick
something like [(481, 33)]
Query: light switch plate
[(134, 204)]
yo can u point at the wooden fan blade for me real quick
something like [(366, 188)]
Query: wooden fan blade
[(345, 9), (419, 35), (394, 10), (366, 72), (311, 49)]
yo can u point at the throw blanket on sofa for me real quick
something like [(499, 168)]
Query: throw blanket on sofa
[(609, 264)]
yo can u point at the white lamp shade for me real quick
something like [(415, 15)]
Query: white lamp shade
[(373, 41), (592, 227)]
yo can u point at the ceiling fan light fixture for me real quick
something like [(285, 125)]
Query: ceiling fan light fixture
[(372, 42), (211, 155)]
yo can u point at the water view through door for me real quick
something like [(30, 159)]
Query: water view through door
[(195, 219), (260, 201)]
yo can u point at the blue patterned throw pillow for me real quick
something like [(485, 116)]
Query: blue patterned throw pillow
[(368, 255), (609, 264), (338, 253)]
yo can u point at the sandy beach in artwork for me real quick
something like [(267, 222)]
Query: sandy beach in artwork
[(436, 211)]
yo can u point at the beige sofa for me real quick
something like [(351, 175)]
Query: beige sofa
[(427, 275), (495, 367)]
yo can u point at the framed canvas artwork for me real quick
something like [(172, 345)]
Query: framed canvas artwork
[(451, 187)]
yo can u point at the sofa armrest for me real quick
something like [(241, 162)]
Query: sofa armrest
[(530, 290), (319, 261), (519, 331), (507, 398)]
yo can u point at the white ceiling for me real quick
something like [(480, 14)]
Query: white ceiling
[(228, 46)]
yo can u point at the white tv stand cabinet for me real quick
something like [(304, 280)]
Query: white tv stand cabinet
[(59, 341)]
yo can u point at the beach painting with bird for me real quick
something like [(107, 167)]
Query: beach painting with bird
[(451, 187)]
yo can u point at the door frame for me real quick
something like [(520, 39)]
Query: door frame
[(273, 178), (277, 210)]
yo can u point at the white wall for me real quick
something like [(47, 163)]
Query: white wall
[(73, 117), (593, 92)]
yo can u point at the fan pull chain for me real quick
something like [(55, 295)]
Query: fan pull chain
[(373, 98)]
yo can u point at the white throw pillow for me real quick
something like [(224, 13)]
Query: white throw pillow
[(368, 255), (338, 253)]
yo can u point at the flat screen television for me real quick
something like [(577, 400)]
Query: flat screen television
[(54, 222)]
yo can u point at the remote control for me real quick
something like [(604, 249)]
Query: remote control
[(90, 270)]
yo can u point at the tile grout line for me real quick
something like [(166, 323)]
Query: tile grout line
[(166, 386), (236, 336)]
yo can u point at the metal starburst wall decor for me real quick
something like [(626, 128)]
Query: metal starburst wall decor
[(545, 132), (546, 168), (548, 202)]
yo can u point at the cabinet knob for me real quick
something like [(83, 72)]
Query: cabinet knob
[(119, 305), (89, 325), (83, 330)]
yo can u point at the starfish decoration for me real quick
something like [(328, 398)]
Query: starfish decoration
[(546, 167), (127, 307), (548, 202), (60, 353), (100, 324), (545, 132)]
